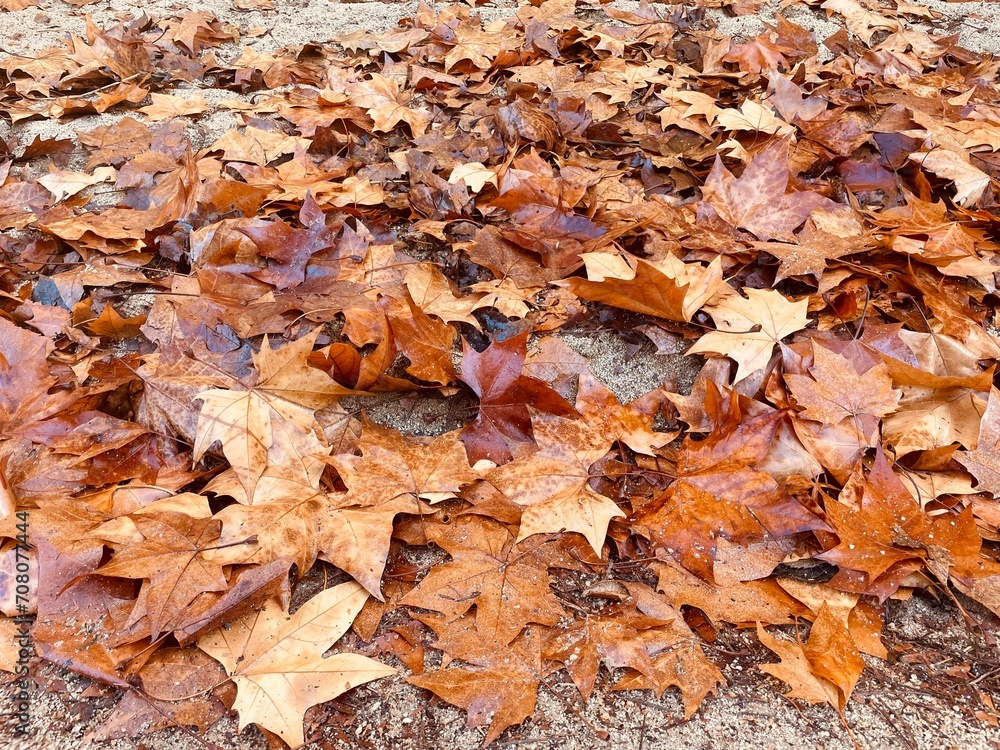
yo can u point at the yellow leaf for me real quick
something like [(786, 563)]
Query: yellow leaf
[(749, 328), (277, 663), (474, 174)]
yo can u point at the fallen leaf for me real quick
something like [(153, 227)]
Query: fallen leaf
[(276, 659)]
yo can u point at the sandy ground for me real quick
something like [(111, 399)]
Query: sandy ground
[(913, 702)]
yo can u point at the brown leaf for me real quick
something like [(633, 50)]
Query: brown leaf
[(504, 393), (507, 582), (553, 483), (838, 390), (984, 462), (670, 289), (618, 637), (756, 201), (719, 494), (173, 556)]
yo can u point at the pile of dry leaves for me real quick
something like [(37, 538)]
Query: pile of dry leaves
[(425, 214)]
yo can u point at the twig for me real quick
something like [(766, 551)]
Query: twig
[(908, 741), (599, 733), (531, 740)]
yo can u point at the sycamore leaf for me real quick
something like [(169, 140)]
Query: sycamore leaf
[(499, 697), (553, 483), (389, 478), (502, 688), (276, 659), (241, 422), (392, 466), (752, 116), (64, 184), (667, 289), (837, 390), (984, 462), (970, 181), (631, 424), (756, 200), (166, 106), (380, 97), (889, 527), (861, 21), (823, 670), (275, 414), (809, 254), (748, 328), (432, 292), (507, 581), (173, 554), (426, 342), (475, 175), (719, 494), (504, 394), (616, 638)]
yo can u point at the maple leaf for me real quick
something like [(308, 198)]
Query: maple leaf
[(507, 582), (970, 181), (748, 328), (631, 424), (64, 184), (389, 477), (553, 482), (426, 342), (276, 413), (870, 533), (718, 494), (474, 174), (756, 200), (837, 390), (165, 106), (431, 291), (504, 393), (173, 555), (276, 659), (380, 98), (618, 637), (823, 670), (941, 402), (984, 462), (666, 289), (24, 373), (501, 691), (809, 255), (393, 466), (861, 21)]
